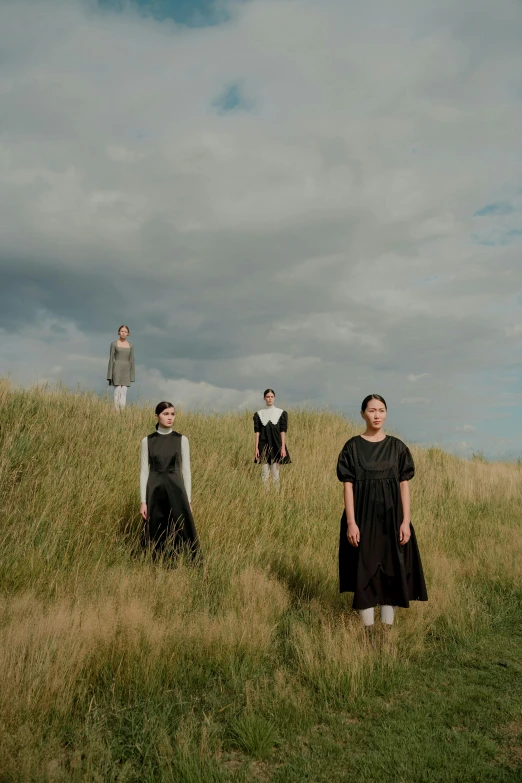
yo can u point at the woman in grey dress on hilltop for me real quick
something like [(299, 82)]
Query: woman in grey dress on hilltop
[(120, 373)]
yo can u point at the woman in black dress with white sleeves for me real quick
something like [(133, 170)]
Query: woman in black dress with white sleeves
[(270, 428), (165, 487), (379, 560)]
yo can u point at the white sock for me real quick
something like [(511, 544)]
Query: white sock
[(387, 614), (367, 616)]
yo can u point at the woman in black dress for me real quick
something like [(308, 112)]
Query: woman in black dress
[(166, 485), (379, 559), (270, 427)]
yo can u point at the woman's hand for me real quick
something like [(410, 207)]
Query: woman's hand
[(256, 454), (143, 511), (354, 535), (404, 533), (283, 451)]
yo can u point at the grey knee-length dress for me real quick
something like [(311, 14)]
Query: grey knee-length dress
[(121, 365)]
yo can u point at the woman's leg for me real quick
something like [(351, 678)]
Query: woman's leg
[(275, 474), (117, 390), (123, 397), (367, 616), (387, 614), (265, 473)]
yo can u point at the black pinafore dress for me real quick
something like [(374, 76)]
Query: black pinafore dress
[(170, 522)]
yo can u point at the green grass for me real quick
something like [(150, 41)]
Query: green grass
[(252, 668)]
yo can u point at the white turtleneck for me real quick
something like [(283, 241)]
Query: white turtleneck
[(270, 414), (185, 464)]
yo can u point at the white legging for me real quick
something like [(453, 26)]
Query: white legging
[(267, 469), (120, 397), (387, 615)]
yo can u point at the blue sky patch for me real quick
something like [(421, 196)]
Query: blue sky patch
[(499, 238), (498, 208), (231, 99), (192, 13)]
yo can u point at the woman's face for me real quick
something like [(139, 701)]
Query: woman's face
[(124, 333), (166, 418), (375, 414), (269, 399)]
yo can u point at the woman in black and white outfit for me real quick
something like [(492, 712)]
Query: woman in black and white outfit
[(165, 486), (270, 427)]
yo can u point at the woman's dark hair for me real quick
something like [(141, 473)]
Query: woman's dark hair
[(162, 406), (268, 391), (123, 326), (372, 397)]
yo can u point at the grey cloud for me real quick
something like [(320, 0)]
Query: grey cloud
[(321, 239)]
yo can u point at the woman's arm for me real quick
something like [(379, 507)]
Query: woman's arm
[(111, 363), (354, 535), (257, 430), (404, 530), (283, 427), (144, 476), (132, 363), (185, 467)]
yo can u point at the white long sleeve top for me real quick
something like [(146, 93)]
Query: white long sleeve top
[(185, 464)]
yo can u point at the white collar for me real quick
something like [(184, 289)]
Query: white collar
[(164, 430), (271, 414)]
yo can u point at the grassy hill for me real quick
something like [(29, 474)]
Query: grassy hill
[(253, 668)]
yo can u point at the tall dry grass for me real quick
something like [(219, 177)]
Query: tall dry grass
[(88, 622)]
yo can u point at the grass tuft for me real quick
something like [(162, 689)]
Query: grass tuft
[(253, 734)]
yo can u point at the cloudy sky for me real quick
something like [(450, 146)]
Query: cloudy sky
[(323, 196)]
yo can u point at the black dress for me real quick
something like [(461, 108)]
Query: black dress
[(270, 423), (170, 521), (379, 571)]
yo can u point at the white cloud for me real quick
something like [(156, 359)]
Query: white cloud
[(202, 395), (513, 330)]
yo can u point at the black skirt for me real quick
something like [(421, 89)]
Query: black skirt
[(379, 571), (169, 518)]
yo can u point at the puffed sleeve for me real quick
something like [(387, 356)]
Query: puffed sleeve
[(257, 423), (346, 464), (406, 465), (283, 422)]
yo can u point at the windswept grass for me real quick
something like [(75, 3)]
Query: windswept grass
[(251, 667)]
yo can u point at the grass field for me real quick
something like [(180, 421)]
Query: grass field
[(252, 668)]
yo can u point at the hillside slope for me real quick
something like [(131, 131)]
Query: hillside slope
[(117, 668)]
